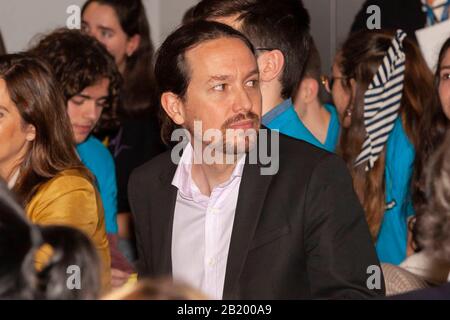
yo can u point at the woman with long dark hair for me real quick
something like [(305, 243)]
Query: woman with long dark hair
[(381, 87), (435, 122), (38, 157), (122, 26), (428, 205)]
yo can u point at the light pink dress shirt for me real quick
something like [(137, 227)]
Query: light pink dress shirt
[(202, 228)]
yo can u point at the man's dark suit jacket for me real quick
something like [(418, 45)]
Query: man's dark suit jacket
[(299, 234)]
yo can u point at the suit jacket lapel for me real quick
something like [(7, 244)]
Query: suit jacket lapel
[(163, 223), (252, 193)]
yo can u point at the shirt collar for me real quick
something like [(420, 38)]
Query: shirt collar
[(275, 112), (183, 181)]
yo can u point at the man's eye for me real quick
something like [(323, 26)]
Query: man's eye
[(252, 83), (219, 87)]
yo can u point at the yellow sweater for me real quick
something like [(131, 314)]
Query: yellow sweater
[(70, 199)]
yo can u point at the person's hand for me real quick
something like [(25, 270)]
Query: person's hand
[(118, 278)]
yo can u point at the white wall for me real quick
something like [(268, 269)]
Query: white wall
[(330, 24), (173, 11), (20, 20)]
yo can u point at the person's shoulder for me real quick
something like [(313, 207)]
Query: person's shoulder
[(157, 165), (69, 179), (63, 184), (295, 154), (99, 151), (299, 150), (331, 109)]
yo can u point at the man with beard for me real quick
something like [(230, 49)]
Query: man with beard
[(231, 229)]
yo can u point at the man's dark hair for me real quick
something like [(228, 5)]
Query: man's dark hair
[(172, 70), (188, 15), (2, 45), (269, 24), (80, 61), (210, 9)]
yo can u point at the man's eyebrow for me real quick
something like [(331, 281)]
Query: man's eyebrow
[(226, 77), (219, 78), (444, 67), (252, 73)]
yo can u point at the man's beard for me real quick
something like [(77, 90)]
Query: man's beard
[(232, 141), (242, 140)]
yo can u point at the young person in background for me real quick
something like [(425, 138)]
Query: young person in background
[(91, 83), (122, 27), (434, 126), (435, 122), (320, 121), (279, 31), (381, 88)]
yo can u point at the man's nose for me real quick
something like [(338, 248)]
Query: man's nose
[(243, 101)]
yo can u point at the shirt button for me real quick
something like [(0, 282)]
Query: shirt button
[(211, 262)]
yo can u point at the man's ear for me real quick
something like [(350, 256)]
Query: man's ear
[(133, 44), (174, 107), (309, 90), (30, 133), (270, 65)]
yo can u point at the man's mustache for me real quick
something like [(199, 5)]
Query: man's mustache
[(240, 117)]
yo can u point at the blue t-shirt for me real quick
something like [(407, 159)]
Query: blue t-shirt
[(96, 157), (392, 237), (284, 118)]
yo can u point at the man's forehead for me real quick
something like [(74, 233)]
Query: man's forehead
[(218, 56)]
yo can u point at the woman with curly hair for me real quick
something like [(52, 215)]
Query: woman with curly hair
[(90, 83), (123, 28)]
